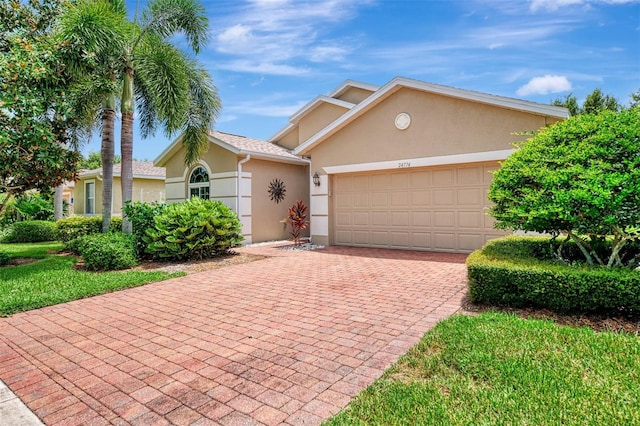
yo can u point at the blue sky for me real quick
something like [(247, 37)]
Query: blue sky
[(268, 58)]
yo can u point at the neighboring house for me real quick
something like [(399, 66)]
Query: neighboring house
[(148, 186), (68, 195), (407, 165), (257, 179)]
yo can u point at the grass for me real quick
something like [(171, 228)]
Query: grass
[(53, 279), (499, 369)]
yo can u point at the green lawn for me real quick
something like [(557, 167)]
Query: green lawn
[(53, 279), (498, 369)]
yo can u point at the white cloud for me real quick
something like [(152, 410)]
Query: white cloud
[(266, 108), (270, 35), (553, 5), (545, 85)]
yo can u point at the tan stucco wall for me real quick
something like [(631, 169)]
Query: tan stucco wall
[(355, 95), (440, 125), (266, 214), (317, 119), (290, 140), (149, 189), (219, 160)]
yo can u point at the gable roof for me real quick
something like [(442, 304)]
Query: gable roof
[(332, 98), (401, 82), (141, 169), (239, 145)]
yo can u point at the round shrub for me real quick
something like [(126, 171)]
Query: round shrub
[(78, 226), (195, 229), (31, 231), (107, 252)]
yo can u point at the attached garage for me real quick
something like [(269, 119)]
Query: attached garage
[(407, 165), (432, 208)]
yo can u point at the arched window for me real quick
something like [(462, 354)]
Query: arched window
[(199, 183)]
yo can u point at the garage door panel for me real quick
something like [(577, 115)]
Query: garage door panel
[(444, 241), (421, 241), (380, 238), (344, 200), (470, 219), (379, 199), (400, 199), (379, 219), (421, 198), (469, 176), (344, 219), (444, 198), (469, 242), (421, 219), (446, 177), (400, 239), (420, 179), (361, 219), (400, 218), (435, 208), (470, 197), (444, 219)]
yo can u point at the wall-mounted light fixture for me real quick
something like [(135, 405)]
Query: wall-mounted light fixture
[(316, 179)]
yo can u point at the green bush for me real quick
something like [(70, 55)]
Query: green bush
[(142, 217), (78, 226), (195, 229), (31, 231), (524, 271), (4, 258), (107, 252)]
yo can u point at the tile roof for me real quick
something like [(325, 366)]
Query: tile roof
[(140, 168), (249, 145)]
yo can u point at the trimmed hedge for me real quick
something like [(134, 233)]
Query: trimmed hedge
[(30, 231), (107, 252), (4, 258), (78, 226), (521, 271)]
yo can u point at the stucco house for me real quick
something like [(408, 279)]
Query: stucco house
[(148, 186), (257, 179), (406, 165)]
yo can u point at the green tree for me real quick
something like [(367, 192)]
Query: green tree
[(38, 128), (93, 160), (100, 27), (169, 88), (579, 177), (594, 103)]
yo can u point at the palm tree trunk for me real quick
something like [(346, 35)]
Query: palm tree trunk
[(126, 144), (106, 154)]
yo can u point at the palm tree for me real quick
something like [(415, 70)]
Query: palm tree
[(169, 88), (99, 29), (144, 70)]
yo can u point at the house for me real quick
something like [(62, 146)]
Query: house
[(148, 186), (406, 165), (257, 179)]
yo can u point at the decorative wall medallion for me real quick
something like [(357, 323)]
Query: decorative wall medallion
[(277, 190), (403, 120)]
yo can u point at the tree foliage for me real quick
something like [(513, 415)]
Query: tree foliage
[(594, 103), (93, 160), (579, 177), (38, 128)]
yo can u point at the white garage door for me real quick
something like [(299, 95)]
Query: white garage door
[(435, 208)]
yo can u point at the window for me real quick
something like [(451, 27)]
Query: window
[(90, 197), (199, 183)]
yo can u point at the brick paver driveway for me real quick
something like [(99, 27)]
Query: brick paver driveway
[(288, 339)]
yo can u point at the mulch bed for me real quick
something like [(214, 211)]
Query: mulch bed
[(595, 321)]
